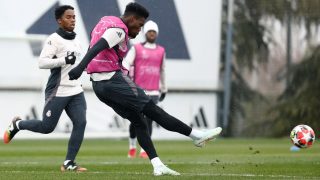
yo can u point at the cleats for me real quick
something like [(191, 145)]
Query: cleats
[(164, 170), (207, 136), (132, 153), (72, 166), (11, 131), (143, 155)]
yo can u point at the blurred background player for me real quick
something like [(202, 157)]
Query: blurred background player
[(108, 46), (147, 62), (59, 54)]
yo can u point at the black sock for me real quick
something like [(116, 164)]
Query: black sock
[(165, 120), (143, 135)]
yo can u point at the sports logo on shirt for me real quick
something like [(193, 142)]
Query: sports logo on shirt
[(119, 34), (48, 114)]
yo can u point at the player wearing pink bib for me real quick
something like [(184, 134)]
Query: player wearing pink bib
[(147, 61), (117, 90)]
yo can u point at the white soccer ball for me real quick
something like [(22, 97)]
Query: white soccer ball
[(302, 136)]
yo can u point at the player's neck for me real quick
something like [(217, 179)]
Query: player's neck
[(150, 45)]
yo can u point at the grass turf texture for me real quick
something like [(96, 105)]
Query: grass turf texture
[(107, 159)]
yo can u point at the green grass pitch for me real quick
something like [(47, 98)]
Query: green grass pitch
[(107, 159)]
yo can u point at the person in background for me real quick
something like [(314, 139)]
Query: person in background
[(59, 54)]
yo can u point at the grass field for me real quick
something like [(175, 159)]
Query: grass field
[(107, 159)]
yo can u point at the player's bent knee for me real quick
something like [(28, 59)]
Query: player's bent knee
[(47, 129)]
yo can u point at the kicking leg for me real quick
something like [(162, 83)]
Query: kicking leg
[(173, 124), (165, 120)]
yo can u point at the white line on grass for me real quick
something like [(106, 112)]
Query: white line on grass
[(20, 162), (182, 174), (169, 162), (117, 162)]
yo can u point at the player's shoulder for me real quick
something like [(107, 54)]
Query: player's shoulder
[(56, 39), (161, 47), (117, 30), (53, 38), (137, 45), (114, 33)]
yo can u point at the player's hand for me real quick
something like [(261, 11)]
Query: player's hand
[(75, 73), (70, 58), (162, 96)]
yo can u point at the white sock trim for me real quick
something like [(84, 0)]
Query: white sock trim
[(196, 134), (17, 124), (156, 162), (132, 143)]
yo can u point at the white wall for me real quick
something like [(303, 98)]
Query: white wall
[(101, 119)]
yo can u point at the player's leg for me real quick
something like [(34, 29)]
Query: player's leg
[(149, 123), (133, 97), (132, 142), (121, 95), (143, 153), (51, 114), (143, 136), (76, 110), (134, 117), (146, 143), (155, 99), (173, 124)]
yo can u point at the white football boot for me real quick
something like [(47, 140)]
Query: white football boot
[(207, 136), (164, 170)]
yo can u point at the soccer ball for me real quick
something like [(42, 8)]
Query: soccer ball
[(302, 136)]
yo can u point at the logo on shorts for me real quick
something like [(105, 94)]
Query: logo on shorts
[(48, 114)]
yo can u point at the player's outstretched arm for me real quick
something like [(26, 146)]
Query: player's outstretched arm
[(76, 72)]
